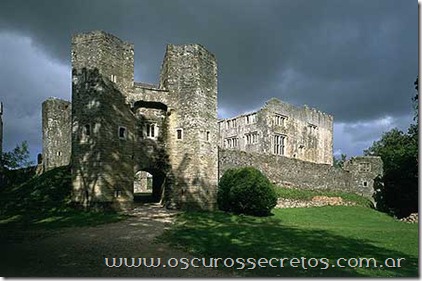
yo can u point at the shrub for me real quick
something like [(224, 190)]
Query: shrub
[(246, 190)]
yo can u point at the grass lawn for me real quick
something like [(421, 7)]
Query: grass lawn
[(323, 232), (44, 202)]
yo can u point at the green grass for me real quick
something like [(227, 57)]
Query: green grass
[(324, 232), (306, 194), (44, 202)]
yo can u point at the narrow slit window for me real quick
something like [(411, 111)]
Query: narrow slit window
[(122, 133), (179, 134), (87, 130)]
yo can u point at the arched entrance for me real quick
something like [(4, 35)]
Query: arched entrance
[(148, 186)]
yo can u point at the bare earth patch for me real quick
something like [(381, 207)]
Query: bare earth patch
[(80, 251)]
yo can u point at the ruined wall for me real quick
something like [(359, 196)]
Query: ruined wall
[(56, 133), (189, 73), (363, 171), (307, 133), (289, 172)]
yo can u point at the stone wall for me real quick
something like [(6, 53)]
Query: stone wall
[(56, 133), (363, 171), (288, 172), (307, 132)]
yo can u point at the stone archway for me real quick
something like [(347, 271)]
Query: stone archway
[(148, 185)]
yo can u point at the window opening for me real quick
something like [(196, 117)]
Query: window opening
[(122, 133), (179, 134), (279, 141)]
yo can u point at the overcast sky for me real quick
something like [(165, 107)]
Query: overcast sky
[(356, 60)]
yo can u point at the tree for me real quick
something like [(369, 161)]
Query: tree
[(339, 161), (399, 153), (416, 98), (17, 158)]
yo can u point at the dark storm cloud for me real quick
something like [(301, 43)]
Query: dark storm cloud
[(28, 77), (354, 59)]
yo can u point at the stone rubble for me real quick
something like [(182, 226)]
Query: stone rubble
[(412, 218), (317, 201)]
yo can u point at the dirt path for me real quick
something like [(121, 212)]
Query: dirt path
[(80, 252)]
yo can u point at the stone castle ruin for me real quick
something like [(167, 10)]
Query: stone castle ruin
[(122, 137)]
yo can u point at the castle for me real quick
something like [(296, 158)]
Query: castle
[(117, 132)]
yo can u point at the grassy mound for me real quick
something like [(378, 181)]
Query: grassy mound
[(44, 201), (331, 232)]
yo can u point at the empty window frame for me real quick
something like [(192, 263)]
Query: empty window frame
[(364, 167), (232, 142), (117, 193), (251, 138), (151, 130), (179, 134), (251, 118), (279, 120), (231, 123), (279, 144), (312, 129), (85, 133), (122, 132), (86, 130)]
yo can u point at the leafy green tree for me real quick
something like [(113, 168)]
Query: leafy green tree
[(399, 153), (339, 161), (17, 158)]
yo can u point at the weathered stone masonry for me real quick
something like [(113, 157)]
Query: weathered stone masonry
[(290, 172), (281, 129), (56, 122), (117, 131), (121, 127)]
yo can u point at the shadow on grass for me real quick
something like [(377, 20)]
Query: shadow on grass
[(220, 235), (43, 202)]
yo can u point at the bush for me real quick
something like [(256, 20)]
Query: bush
[(246, 190)]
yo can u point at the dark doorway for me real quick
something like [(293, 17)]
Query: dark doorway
[(148, 186)]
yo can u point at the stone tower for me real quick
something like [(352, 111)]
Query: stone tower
[(189, 73), (103, 126), (120, 128), (56, 137), (113, 57)]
